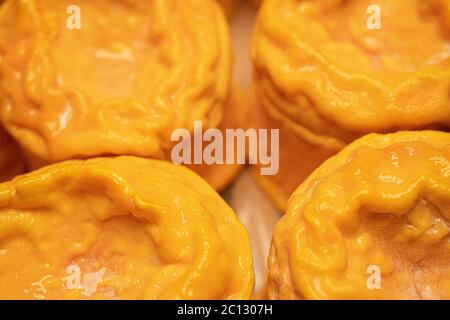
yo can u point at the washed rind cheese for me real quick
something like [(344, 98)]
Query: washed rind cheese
[(328, 72), (372, 222), (117, 79), (120, 228)]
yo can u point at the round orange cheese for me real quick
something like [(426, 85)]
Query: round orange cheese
[(91, 78), (328, 72), (372, 222), (120, 228)]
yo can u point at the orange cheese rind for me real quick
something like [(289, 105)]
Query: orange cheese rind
[(325, 78), (317, 61), (149, 229), (119, 85), (383, 201)]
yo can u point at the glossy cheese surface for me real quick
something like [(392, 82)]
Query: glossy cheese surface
[(119, 85), (382, 202), (120, 228), (329, 72), (318, 64)]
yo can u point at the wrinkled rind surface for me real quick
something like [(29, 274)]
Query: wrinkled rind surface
[(197, 248), (325, 79), (110, 87), (11, 162), (384, 200), (319, 65)]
